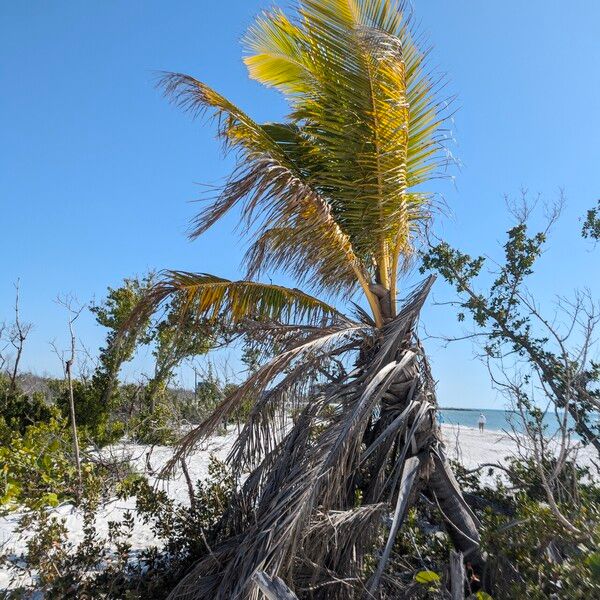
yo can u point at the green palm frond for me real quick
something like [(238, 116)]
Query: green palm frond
[(330, 195), (209, 297), (356, 81), (271, 179)]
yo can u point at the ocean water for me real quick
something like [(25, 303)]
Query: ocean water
[(497, 420)]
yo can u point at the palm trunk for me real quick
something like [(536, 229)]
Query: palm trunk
[(460, 522), (415, 386)]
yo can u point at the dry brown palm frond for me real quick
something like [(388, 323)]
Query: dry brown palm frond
[(322, 343), (313, 472), (331, 544), (272, 411)]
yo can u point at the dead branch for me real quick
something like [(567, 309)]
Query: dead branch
[(68, 303), (17, 336)]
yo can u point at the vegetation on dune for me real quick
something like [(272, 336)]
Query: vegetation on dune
[(338, 484)]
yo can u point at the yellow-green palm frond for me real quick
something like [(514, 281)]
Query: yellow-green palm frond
[(278, 53), (273, 181), (365, 103), (209, 297), (331, 196)]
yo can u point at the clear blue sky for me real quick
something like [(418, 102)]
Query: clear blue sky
[(97, 171)]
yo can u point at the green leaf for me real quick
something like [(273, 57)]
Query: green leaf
[(427, 577), (13, 490), (50, 499), (593, 563), (481, 596)]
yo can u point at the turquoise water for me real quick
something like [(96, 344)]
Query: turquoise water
[(497, 420)]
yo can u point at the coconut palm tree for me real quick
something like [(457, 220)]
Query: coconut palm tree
[(334, 197)]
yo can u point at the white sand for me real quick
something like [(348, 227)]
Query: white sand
[(142, 535), (473, 448), (465, 444)]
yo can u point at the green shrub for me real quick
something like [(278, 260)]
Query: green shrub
[(37, 466), (37, 469), (19, 409), (529, 553), (92, 414), (107, 567), (152, 429), (62, 569)]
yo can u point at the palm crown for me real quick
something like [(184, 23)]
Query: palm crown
[(330, 195)]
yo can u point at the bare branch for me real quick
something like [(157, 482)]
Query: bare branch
[(17, 336)]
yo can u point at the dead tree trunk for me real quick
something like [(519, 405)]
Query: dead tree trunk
[(17, 336), (74, 313), (68, 366)]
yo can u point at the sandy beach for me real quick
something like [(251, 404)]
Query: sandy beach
[(465, 444), (472, 448)]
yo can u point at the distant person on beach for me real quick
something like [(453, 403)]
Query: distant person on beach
[(482, 420)]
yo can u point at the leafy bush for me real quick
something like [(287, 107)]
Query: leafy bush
[(419, 555), (187, 531), (19, 409), (92, 413), (62, 569), (152, 428), (108, 567), (530, 554), (38, 469), (37, 466)]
